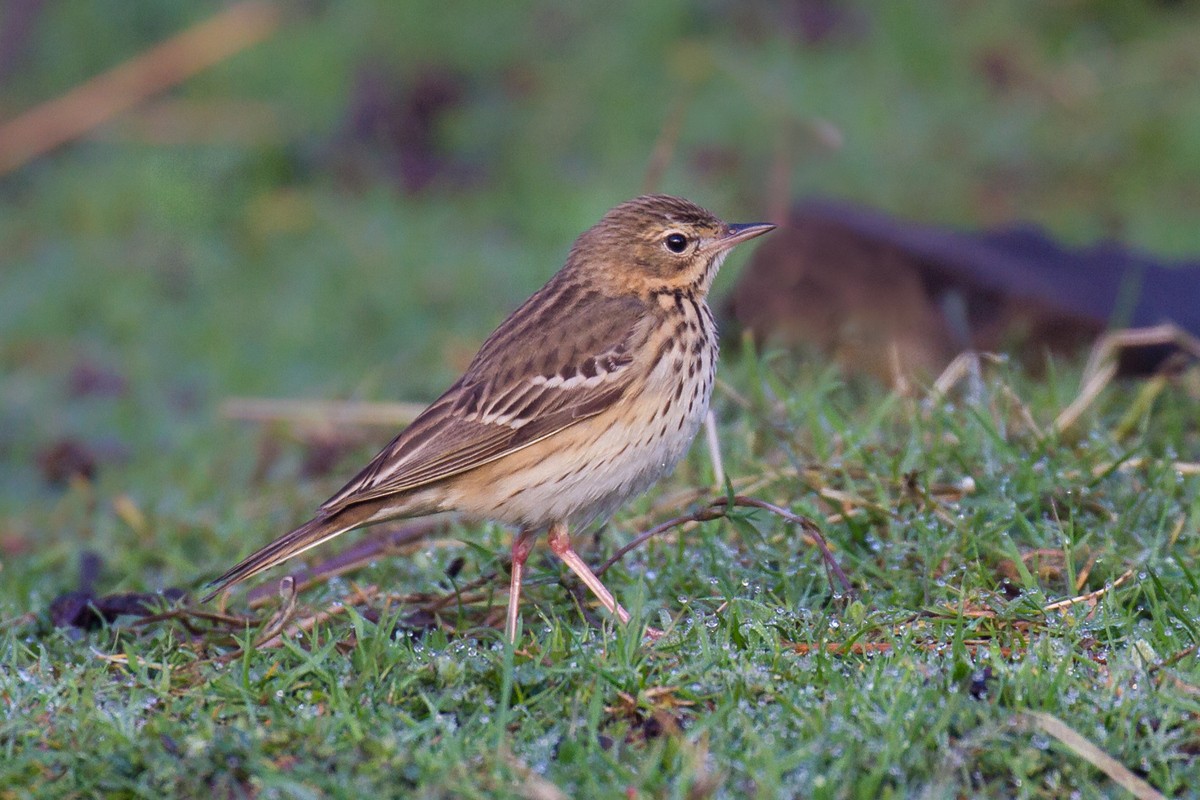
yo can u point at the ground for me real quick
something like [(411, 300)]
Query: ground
[(376, 187)]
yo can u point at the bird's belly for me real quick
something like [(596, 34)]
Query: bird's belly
[(587, 471)]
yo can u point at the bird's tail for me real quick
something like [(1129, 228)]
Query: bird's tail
[(310, 534)]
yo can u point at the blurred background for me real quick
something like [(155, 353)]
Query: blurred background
[(340, 200)]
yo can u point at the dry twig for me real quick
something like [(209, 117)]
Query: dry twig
[(319, 413), (70, 116), (1090, 752), (720, 508), (1103, 365), (1091, 598)]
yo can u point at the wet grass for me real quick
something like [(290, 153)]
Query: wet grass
[(142, 283), (768, 682)]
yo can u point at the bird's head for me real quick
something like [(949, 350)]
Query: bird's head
[(658, 242)]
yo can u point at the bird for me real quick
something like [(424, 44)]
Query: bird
[(583, 398)]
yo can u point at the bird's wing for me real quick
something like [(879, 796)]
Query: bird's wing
[(531, 379)]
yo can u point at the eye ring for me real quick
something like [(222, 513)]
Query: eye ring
[(675, 242)]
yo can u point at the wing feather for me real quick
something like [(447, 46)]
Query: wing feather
[(512, 397)]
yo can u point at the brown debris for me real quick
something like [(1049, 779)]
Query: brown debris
[(71, 459), (89, 379), (886, 296), (18, 23), (1046, 564), (67, 459), (83, 608), (655, 712), (323, 453), (396, 124), (807, 23), (87, 611)]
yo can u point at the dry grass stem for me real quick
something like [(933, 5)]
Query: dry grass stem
[(321, 414), (1088, 751), (720, 508), (1091, 598), (167, 64)]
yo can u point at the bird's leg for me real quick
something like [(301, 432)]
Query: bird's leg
[(522, 546), (560, 543)]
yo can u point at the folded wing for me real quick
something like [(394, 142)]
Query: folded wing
[(509, 399)]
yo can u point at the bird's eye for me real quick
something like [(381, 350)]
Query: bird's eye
[(676, 242)]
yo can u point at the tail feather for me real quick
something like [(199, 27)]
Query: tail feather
[(307, 536)]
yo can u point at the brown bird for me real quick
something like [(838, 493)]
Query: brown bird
[(585, 396)]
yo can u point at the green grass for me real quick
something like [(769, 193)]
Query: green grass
[(199, 271)]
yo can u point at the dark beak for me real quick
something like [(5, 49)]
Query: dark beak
[(736, 234)]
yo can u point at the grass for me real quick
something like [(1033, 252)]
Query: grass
[(177, 275), (945, 647)]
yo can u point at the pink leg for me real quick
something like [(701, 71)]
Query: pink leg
[(560, 543), (522, 546)]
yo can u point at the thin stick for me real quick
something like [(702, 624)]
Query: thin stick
[(714, 448), (1087, 395), (1091, 597), (329, 413), (703, 515), (1102, 363), (719, 508), (1090, 752), (809, 527), (87, 106), (283, 615), (307, 624)]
